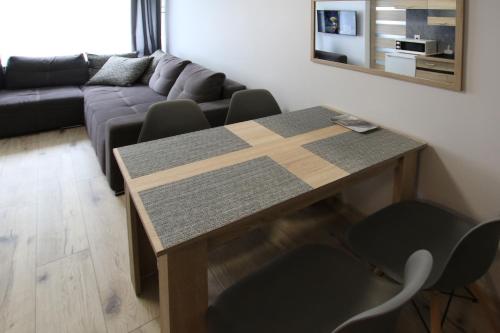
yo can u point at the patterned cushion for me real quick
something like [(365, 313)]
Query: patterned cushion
[(96, 61), (166, 73), (198, 84), (120, 71), (155, 59)]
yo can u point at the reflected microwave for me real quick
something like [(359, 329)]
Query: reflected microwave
[(417, 46)]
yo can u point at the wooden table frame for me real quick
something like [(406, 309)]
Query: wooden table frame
[(183, 285)]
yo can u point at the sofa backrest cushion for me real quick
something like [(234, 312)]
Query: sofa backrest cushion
[(120, 71), (27, 72), (96, 61), (166, 74), (198, 84), (230, 87), (155, 60)]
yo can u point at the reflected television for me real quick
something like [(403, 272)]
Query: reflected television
[(339, 22)]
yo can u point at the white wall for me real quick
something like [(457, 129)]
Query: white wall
[(356, 48), (266, 44)]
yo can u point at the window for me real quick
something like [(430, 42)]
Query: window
[(163, 25), (61, 27)]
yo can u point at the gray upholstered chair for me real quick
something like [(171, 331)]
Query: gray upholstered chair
[(171, 118), (463, 250), (251, 104), (316, 289)]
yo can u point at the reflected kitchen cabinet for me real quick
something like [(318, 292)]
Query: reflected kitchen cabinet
[(419, 41), (443, 4)]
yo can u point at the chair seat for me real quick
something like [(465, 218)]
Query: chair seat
[(313, 289), (388, 237)]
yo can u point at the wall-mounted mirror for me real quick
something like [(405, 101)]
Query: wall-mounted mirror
[(414, 40)]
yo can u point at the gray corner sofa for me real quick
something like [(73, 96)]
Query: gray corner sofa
[(38, 94)]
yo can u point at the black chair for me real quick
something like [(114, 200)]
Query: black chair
[(316, 289), (171, 118), (251, 104), (463, 251)]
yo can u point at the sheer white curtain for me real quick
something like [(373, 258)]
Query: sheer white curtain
[(63, 27)]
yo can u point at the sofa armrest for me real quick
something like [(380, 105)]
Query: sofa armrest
[(120, 132), (216, 111)]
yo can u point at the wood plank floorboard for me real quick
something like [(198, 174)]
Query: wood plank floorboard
[(63, 247), (67, 299), (17, 268)]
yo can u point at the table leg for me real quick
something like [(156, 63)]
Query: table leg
[(184, 289), (405, 178), (133, 222)]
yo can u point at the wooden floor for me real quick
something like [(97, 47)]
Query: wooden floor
[(63, 247)]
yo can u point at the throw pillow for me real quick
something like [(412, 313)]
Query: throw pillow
[(155, 59), (166, 73), (120, 71), (96, 61), (198, 84)]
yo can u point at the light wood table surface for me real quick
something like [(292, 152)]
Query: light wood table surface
[(165, 238)]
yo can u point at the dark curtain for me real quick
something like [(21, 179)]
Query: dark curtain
[(146, 26)]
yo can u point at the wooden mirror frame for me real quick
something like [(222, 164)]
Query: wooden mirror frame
[(457, 85)]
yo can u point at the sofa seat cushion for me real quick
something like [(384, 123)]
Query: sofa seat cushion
[(27, 72), (103, 103), (31, 110), (198, 84)]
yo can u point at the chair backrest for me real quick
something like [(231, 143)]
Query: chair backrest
[(472, 257), (171, 118), (382, 318), (251, 104)]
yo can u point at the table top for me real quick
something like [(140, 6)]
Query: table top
[(194, 185)]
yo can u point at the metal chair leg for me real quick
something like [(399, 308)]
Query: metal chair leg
[(447, 309), (415, 305)]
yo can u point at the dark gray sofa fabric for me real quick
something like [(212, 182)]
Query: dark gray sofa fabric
[(103, 103), (33, 110), (26, 72), (96, 61), (166, 73), (155, 60), (198, 84)]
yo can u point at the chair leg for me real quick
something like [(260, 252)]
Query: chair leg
[(436, 313), (417, 309), (487, 306), (447, 309)]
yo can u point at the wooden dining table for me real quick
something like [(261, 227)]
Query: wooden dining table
[(190, 193)]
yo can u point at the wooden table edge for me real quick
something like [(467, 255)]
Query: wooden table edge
[(323, 192)]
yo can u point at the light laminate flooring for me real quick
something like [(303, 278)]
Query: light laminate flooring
[(63, 246)]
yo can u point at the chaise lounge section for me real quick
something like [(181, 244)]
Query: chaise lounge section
[(39, 94)]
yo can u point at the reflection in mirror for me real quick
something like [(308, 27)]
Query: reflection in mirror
[(415, 40), (343, 32)]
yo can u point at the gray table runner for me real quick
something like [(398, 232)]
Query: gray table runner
[(149, 157), (299, 122), (188, 208), (352, 151)]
